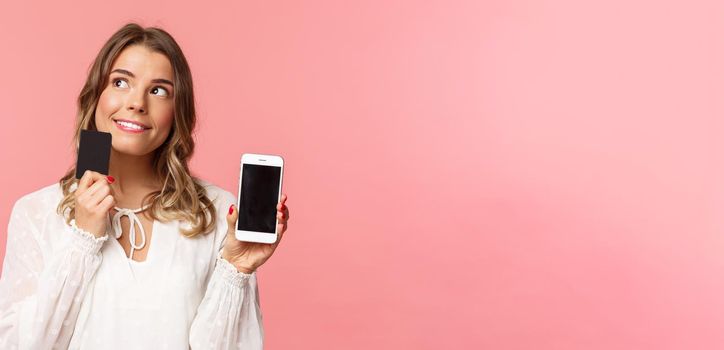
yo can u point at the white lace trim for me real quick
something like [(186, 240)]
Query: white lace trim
[(230, 274), (88, 242)]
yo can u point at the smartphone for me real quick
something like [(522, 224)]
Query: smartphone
[(260, 189)]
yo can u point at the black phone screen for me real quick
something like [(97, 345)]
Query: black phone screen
[(258, 198)]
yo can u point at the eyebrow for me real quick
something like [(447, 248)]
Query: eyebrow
[(128, 73)]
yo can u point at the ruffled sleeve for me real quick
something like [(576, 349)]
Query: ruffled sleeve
[(40, 297), (229, 316)]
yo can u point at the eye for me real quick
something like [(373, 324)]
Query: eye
[(115, 82), (158, 88)]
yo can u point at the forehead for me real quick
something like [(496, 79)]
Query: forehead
[(144, 63)]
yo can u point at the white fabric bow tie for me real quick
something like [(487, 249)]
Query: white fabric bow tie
[(134, 220)]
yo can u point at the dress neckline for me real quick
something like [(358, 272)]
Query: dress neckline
[(138, 210), (134, 221)]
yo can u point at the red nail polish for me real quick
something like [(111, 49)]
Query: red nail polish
[(110, 179), (231, 209)]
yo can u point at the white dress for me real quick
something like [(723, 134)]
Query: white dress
[(63, 288)]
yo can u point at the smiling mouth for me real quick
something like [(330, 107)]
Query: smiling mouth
[(130, 126)]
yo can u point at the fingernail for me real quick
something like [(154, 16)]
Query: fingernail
[(110, 179), (231, 209)]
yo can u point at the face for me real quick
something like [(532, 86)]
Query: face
[(136, 106)]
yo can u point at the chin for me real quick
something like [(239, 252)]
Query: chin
[(132, 149)]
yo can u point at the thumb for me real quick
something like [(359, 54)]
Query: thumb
[(231, 220)]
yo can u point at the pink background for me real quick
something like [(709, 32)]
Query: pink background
[(473, 174)]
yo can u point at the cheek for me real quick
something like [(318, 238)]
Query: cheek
[(107, 105), (164, 123)]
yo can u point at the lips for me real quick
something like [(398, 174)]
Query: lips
[(144, 126)]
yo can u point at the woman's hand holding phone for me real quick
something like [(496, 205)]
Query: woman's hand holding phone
[(248, 256), (93, 200)]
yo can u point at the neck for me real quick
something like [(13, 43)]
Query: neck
[(135, 177)]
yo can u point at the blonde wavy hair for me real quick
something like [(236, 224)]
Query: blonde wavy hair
[(182, 195)]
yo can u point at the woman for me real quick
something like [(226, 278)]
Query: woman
[(173, 274)]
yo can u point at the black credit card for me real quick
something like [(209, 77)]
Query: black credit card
[(94, 152)]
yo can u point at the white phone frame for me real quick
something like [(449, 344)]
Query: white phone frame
[(258, 159)]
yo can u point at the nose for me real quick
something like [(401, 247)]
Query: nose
[(137, 102)]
